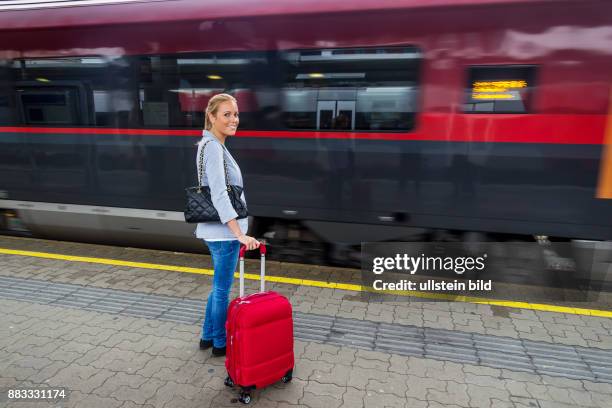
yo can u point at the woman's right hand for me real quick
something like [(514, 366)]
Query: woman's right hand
[(249, 242)]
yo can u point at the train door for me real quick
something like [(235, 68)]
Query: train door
[(345, 115), (326, 113), (338, 115)]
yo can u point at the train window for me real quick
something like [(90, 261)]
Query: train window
[(174, 90), (351, 89), (65, 91), (53, 105), (7, 109), (499, 89)]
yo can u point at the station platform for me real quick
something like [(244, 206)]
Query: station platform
[(119, 327)]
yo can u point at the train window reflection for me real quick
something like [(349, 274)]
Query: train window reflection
[(6, 110), (74, 91), (351, 89), (174, 91), (499, 89), (53, 105)]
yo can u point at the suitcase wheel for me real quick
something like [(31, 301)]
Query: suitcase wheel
[(228, 381), (245, 398), (287, 377)]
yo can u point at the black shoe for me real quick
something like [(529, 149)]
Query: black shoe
[(218, 352), (205, 344)]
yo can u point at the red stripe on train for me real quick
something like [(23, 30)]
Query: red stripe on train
[(541, 128)]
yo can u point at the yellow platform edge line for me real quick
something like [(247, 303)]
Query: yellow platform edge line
[(319, 284)]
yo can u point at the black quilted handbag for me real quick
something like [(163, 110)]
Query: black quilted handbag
[(199, 206)]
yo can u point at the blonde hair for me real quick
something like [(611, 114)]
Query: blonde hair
[(213, 106)]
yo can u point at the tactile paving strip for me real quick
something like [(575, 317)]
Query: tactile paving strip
[(493, 351)]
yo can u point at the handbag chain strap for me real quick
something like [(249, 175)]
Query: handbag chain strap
[(201, 168)]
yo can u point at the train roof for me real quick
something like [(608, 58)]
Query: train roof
[(45, 14)]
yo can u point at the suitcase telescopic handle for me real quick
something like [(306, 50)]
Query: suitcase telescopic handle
[(262, 252), (262, 249)]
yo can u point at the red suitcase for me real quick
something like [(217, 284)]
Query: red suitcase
[(259, 337)]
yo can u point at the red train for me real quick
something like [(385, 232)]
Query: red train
[(360, 121)]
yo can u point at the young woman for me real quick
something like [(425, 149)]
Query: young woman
[(222, 238)]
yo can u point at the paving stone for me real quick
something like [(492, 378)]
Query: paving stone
[(29, 343), (509, 331), (123, 337), (80, 378), (417, 387), (131, 404), (388, 383), (495, 403), (208, 375), (90, 335), (79, 400), (572, 339), (522, 402), (138, 346), (603, 388), (517, 389), (421, 366), (328, 390), (372, 359), (314, 351), (354, 313), (581, 398), (41, 351), (48, 328), (450, 372), (21, 373), (308, 369), (121, 360), (562, 382), (6, 383), (455, 394), (538, 391), (434, 404), (375, 399), (173, 348), (415, 320), (338, 375), (47, 372), (352, 397), (399, 364), (360, 377), (140, 395), (299, 348), (312, 400), (118, 381), (171, 391), (163, 367), (558, 394), (484, 381), (181, 402), (519, 376), (340, 356), (554, 404), (601, 400), (7, 358), (92, 355), (483, 396), (69, 352), (290, 393)]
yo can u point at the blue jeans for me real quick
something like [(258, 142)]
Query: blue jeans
[(225, 258)]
